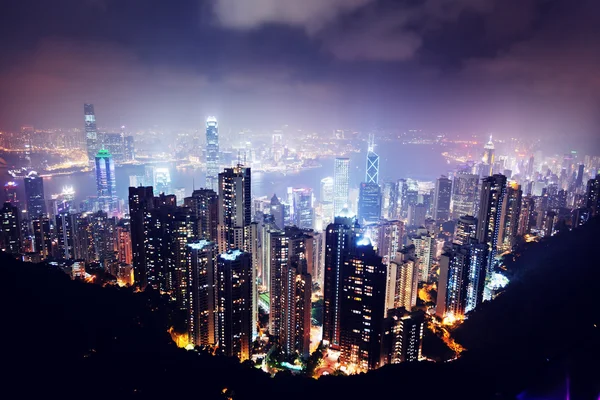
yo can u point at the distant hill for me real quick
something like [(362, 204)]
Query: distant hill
[(65, 339)]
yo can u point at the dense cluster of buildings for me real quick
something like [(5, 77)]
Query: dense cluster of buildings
[(221, 254)]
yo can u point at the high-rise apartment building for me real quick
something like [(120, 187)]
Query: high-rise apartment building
[(464, 194), (362, 306), (593, 195), (141, 203), (341, 189), (201, 304), (234, 303), (402, 280), (441, 199), (10, 225), (493, 190), (205, 206), (235, 208), (465, 230), (34, 194), (303, 208), (340, 239), (402, 339), (509, 220), (212, 154), (424, 243)]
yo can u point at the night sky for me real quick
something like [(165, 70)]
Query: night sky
[(512, 67)]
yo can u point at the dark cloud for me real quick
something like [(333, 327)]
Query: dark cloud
[(512, 66)]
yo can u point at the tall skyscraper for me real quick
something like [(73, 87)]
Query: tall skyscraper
[(106, 182), (235, 208), (509, 220), (362, 306), (10, 233), (204, 204), (141, 202), (528, 215), (340, 238), (303, 208), (326, 200), (389, 206), (34, 193), (341, 185), (202, 307), (424, 243), (372, 170), (91, 132), (390, 237), (212, 154), (416, 215), (465, 230), (369, 203), (441, 200), (234, 303), (278, 212), (402, 337), (42, 236), (462, 279), (464, 194), (402, 280), (279, 250), (488, 158), (493, 190), (593, 195), (10, 193)]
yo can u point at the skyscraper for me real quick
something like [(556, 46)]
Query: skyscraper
[(372, 170), (277, 211), (42, 236), (464, 194), (390, 237), (10, 233), (340, 238), (212, 154), (278, 259), (91, 132), (441, 200), (10, 193), (235, 208), (303, 208), (389, 205), (201, 305), (326, 200), (462, 279), (509, 220), (369, 203), (234, 303), (205, 206), (402, 280), (341, 185), (141, 202), (106, 182), (362, 304), (493, 190), (488, 158), (593, 195), (34, 193), (465, 230), (402, 337), (424, 243)]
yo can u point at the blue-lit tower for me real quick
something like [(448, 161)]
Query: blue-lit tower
[(212, 154), (106, 183)]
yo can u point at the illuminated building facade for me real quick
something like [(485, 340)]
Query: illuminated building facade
[(141, 202), (91, 131), (389, 203), (42, 236), (493, 190), (303, 208), (278, 212), (278, 259), (34, 194), (362, 304), (201, 305), (10, 193), (509, 220), (340, 239), (212, 154), (441, 199), (402, 280), (465, 230), (341, 189), (369, 203), (204, 204), (10, 221), (372, 170), (234, 303), (390, 235), (106, 182), (235, 208), (489, 158), (464, 194), (402, 336), (424, 243), (326, 200), (592, 197)]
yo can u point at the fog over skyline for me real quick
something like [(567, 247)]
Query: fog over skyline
[(512, 67)]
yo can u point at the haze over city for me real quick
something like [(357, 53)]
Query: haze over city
[(316, 199)]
